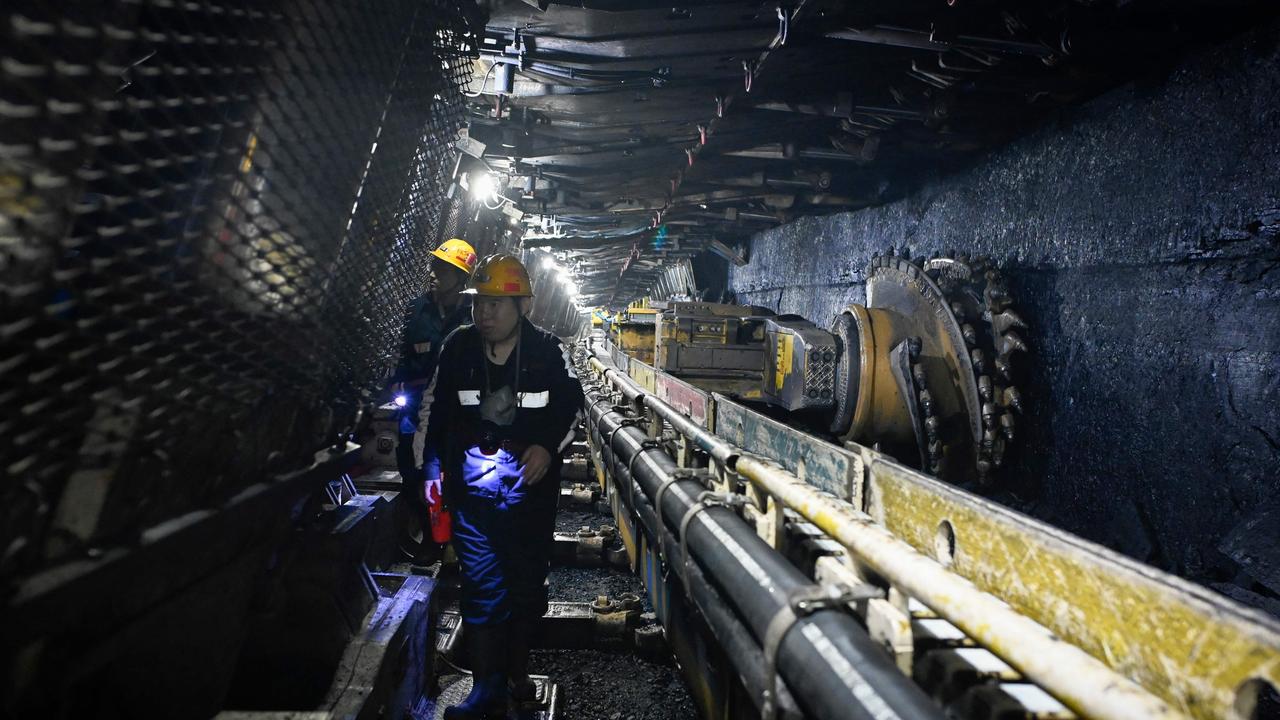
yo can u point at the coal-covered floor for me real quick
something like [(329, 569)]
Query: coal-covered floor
[(607, 684)]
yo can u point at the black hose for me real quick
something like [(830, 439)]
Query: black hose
[(739, 647), (832, 667)]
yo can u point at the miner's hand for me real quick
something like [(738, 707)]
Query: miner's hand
[(432, 490), (534, 463)]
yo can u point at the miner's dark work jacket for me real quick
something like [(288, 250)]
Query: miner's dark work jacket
[(421, 339)]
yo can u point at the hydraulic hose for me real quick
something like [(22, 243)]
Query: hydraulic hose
[(832, 667), (739, 646)]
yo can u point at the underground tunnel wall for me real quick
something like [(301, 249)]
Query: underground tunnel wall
[(1141, 237)]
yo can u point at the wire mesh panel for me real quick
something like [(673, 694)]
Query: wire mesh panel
[(212, 215)]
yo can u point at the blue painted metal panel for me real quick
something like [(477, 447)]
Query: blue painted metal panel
[(819, 463)]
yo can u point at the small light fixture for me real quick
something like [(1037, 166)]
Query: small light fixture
[(484, 187)]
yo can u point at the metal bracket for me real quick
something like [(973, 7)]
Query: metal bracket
[(624, 423), (648, 444), (802, 602), (599, 400), (678, 474)]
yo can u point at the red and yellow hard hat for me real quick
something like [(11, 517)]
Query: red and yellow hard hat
[(458, 253), (500, 276)]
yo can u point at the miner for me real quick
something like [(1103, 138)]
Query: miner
[(507, 401), (428, 320)]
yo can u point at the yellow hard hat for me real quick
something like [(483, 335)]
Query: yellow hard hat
[(500, 276), (458, 253)]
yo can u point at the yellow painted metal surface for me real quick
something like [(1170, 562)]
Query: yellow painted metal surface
[(636, 340), (782, 363), (1186, 644), (627, 532), (881, 413)]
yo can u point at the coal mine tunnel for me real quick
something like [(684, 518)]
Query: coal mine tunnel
[(631, 360)]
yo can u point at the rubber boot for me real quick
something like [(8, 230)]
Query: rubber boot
[(488, 698), (522, 688)]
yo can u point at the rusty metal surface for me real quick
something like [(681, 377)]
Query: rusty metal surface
[(686, 398)]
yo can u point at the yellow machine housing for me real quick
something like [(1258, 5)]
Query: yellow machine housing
[(634, 333), (719, 347)]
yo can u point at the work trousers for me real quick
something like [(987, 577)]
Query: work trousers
[(504, 549)]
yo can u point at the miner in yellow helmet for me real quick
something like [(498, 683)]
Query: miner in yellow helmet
[(507, 401), (428, 320)]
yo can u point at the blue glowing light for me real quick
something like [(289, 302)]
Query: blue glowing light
[(660, 238), (401, 401)]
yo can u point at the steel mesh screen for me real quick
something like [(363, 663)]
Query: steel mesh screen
[(212, 215)]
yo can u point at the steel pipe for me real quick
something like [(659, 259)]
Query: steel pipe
[(629, 390), (702, 438)]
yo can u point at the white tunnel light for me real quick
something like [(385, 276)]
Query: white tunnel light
[(548, 263), (484, 187)]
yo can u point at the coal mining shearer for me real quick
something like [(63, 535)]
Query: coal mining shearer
[(633, 360)]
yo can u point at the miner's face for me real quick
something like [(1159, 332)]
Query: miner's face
[(445, 278), (497, 317)]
